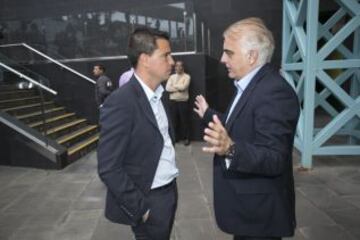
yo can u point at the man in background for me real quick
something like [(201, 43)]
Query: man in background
[(126, 76), (103, 86), (178, 88)]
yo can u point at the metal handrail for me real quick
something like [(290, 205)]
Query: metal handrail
[(115, 57), (49, 58), (28, 78)]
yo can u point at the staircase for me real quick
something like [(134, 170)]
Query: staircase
[(50, 119)]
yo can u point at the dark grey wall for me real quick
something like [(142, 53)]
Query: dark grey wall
[(18, 150), (219, 14), (5, 153)]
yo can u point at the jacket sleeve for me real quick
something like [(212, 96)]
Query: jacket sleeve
[(208, 116), (275, 125), (116, 123), (104, 90)]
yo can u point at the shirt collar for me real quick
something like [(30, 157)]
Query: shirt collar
[(150, 94), (242, 83)]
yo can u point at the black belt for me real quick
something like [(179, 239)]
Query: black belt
[(166, 186)]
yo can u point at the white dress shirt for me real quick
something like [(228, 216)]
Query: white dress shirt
[(166, 170), (240, 85)]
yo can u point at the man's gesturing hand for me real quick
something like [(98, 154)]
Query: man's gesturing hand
[(217, 136), (200, 105)]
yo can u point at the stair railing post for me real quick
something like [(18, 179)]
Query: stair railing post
[(42, 109)]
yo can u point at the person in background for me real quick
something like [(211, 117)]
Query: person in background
[(254, 197), (126, 76), (103, 86), (178, 88), (136, 154)]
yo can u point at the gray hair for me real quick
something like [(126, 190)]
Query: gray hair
[(255, 36)]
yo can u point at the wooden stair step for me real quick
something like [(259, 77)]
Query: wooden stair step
[(77, 147), (75, 134), (64, 126), (37, 113), (16, 91), (18, 99), (8, 87), (26, 106), (50, 120)]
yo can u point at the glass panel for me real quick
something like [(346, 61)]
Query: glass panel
[(24, 99), (100, 33)]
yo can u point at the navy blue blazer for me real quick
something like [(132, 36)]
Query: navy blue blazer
[(255, 195), (129, 150)]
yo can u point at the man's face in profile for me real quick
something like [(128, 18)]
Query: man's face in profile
[(97, 71), (161, 61), (235, 58), (179, 67)]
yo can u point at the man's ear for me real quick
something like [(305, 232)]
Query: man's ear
[(144, 59), (253, 56)]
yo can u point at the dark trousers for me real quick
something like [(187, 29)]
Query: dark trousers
[(256, 238), (163, 203), (180, 119)]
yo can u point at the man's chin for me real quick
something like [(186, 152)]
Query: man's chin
[(230, 75), (165, 78)]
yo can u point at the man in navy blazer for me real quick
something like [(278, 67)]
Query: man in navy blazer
[(136, 155), (254, 194)]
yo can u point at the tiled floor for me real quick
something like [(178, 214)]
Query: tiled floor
[(68, 204)]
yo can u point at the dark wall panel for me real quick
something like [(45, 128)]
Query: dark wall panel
[(5, 153), (18, 150)]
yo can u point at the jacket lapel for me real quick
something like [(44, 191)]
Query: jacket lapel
[(223, 120), (245, 96), (144, 102)]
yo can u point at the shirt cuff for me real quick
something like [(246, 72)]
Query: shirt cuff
[(227, 162)]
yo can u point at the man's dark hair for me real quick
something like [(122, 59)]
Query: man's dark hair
[(100, 66), (143, 40)]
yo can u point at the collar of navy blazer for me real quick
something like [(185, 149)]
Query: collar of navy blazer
[(145, 104)]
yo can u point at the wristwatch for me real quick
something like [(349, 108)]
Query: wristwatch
[(230, 152)]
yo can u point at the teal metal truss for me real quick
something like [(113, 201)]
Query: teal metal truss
[(321, 59)]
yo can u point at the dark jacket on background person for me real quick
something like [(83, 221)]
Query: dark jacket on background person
[(103, 89)]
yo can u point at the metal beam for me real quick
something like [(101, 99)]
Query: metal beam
[(337, 64), (340, 36), (338, 150), (309, 87), (351, 6), (300, 36), (302, 55)]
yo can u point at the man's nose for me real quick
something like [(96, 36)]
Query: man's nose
[(223, 58), (171, 60)]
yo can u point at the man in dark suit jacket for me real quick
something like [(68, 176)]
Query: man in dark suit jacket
[(136, 156), (253, 178), (103, 86)]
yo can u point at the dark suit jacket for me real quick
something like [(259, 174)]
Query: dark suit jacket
[(129, 150), (255, 195), (103, 88)]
